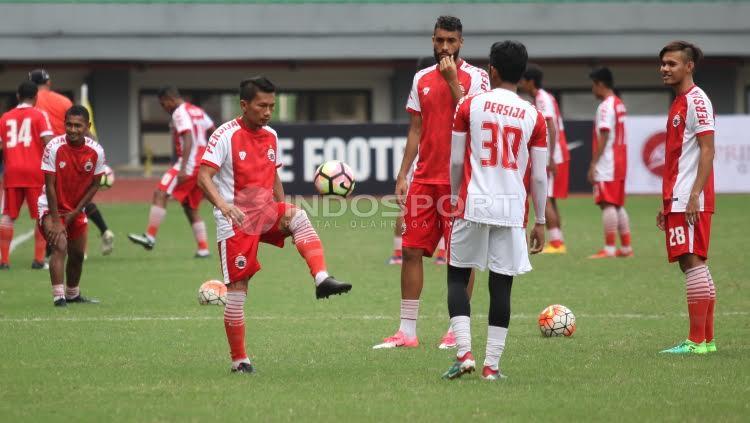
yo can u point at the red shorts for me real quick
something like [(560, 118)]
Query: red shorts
[(187, 192), (557, 186), (612, 192), (75, 229), (426, 216), (238, 255), (685, 239), (13, 200)]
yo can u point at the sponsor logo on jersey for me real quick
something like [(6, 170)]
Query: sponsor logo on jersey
[(243, 155), (676, 121), (240, 262), (62, 164), (271, 154), (425, 90), (88, 166)]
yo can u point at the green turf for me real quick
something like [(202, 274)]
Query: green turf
[(149, 352)]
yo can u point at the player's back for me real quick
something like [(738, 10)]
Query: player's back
[(502, 128), (55, 105), (21, 132)]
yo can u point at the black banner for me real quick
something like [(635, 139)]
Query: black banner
[(374, 152)]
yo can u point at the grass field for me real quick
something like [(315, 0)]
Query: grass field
[(149, 352)]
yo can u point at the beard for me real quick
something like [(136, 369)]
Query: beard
[(437, 56)]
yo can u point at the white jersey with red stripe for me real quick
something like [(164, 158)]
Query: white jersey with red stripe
[(610, 118), (188, 118), (690, 116), (246, 160), (548, 107), (501, 128)]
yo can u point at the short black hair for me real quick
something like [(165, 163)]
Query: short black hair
[(691, 51), (509, 59), (449, 23), (77, 110), (39, 76), (534, 73), (604, 75), (249, 87), (168, 91), (27, 90)]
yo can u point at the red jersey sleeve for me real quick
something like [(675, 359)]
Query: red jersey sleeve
[(216, 152), (539, 134), (462, 115), (181, 121)]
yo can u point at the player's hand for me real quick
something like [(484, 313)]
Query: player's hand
[(552, 169), (590, 175), (234, 215), (660, 220), (692, 211), (56, 232), (182, 176), (448, 69), (402, 188), (536, 239)]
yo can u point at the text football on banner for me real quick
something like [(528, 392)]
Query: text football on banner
[(646, 136)]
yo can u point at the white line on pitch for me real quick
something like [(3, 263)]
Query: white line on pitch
[(20, 239), (350, 317)]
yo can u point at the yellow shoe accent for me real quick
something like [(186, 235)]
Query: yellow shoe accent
[(549, 249)]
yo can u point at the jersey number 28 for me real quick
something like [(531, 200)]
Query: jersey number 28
[(511, 138), (18, 134)]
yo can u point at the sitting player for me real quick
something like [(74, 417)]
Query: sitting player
[(239, 176), (73, 165)]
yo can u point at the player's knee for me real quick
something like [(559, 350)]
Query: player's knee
[(411, 254), (294, 218)]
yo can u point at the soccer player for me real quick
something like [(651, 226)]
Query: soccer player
[(239, 175), (55, 105), (688, 191), (559, 156), (73, 165), (189, 126), (24, 131), (432, 103), (609, 165), (495, 134)]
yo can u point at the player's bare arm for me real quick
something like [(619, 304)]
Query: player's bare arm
[(705, 168), (87, 197), (551, 144), (660, 220), (206, 183), (46, 139), (410, 153), (187, 145), (600, 144), (54, 228)]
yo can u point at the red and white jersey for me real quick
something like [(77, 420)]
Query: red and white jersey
[(187, 118), (431, 97), (501, 129), (690, 116), (547, 106), (610, 118), (246, 161), (21, 132), (74, 169)]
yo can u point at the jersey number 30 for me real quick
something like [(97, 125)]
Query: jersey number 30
[(17, 135), (511, 138)]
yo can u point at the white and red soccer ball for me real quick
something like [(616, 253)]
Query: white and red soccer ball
[(212, 292), (334, 178), (108, 178), (557, 320)]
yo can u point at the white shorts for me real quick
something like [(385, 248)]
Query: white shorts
[(503, 249)]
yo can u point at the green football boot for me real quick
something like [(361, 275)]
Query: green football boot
[(461, 366), (711, 346), (687, 347)]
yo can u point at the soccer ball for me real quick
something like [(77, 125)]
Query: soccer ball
[(212, 292), (557, 320), (108, 178), (334, 178)]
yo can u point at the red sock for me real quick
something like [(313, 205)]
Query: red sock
[(6, 236), (40, 245), (234, 324), (698, 299), (199, 231), (307, 242), (155, 216), (609, 219), (711, 307), (625, 239)]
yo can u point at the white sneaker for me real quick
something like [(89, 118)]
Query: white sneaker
[(108, 242)]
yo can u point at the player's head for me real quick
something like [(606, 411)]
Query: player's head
[(531, 79), (40, 77), (77, 123), (257, 100), (678, 61), (27, 92), (507, 62), (447, 37), (169, 98), (602, 82)]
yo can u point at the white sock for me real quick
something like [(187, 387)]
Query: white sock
[(555, 234), (320, 277), (461, 326), (495, 346), (409, 315), (236, 363), (397, 242), (58, 292), (72, 292), (441, 244)]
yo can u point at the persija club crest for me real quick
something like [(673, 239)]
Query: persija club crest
[(240, 262), (242, 155), (271, 154), (676, 121), (425, 90), (88, 166)]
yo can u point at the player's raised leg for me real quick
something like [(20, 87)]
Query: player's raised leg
[(156, 215), (199, 230), (459, 309), (108, 237)]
